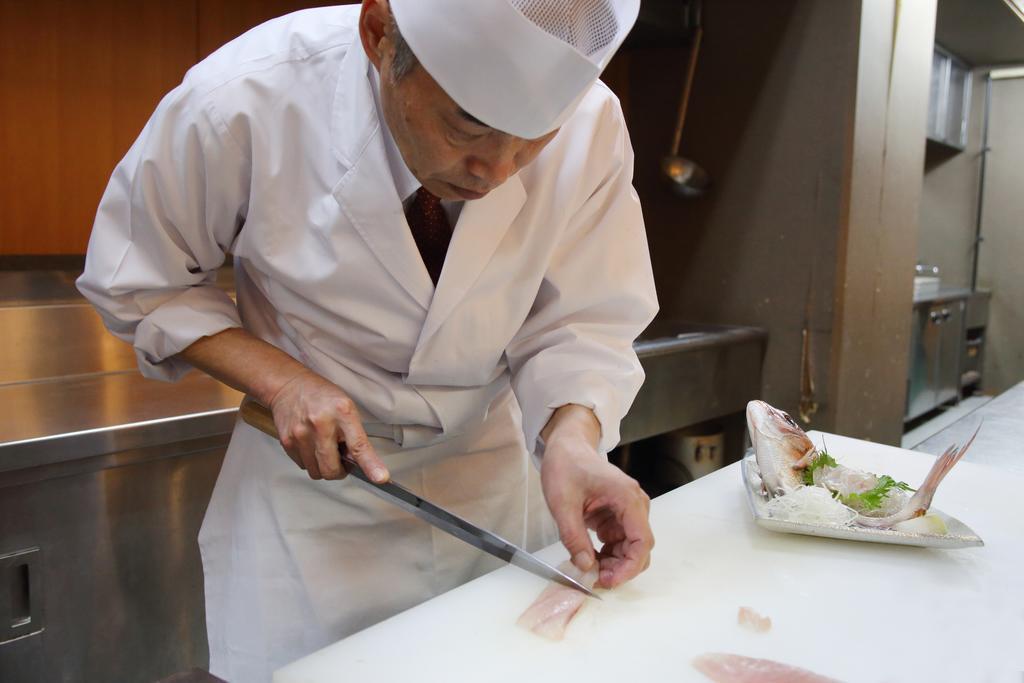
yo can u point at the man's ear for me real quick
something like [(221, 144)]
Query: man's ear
[(374, 18)]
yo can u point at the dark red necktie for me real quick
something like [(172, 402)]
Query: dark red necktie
[(431, 230)]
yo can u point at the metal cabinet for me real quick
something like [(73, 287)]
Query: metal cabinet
[(949, 318), (110, 567), (104, 480), (949, 100), (934, 356)]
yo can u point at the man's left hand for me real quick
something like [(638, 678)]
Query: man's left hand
[(584, 491)]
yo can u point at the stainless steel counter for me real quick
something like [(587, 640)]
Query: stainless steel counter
[(951, 294), (56, 341), (105, 478), (104, 481), (32, 287), (943, 294), (47, 423), (71, 391), (49, 287)]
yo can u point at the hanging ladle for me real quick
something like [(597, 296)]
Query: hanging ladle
[(686, 177)]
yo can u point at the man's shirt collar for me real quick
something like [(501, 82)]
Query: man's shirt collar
[(406, 183)]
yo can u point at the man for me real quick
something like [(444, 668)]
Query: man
[(330, 152)]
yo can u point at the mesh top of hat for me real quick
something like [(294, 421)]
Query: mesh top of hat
[(589, 26)]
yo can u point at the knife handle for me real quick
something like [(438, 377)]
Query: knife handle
[(259, 416)]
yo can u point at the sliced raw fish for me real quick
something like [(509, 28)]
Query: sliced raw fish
[(554, 608), (784, 453), (750, 619), (726, 668)]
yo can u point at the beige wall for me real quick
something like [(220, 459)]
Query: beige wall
[(948, 218), (949, 201), (878, 244), (1001, 261)]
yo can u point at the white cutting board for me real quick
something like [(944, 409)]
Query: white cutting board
[(853, 611)]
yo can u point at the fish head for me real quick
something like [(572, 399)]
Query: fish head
[(769, 424), (779, 444)]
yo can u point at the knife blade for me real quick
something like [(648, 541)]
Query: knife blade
[(261, 418)]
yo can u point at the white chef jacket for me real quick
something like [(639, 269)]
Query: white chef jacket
[(273, 149)]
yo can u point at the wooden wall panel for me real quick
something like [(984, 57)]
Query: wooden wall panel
[(28, 121), (77, 82), (222, 20)]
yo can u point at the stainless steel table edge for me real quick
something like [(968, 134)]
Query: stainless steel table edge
[(692, 341), (945, 294), (59, 448)]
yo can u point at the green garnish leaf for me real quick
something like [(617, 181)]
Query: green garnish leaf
[(873, 499), (823, 460)]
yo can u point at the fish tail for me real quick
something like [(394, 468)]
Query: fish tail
[(922, 499)]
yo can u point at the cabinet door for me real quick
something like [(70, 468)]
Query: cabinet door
[(948, 100), (951, 330), (923, 352), (958, 92), (937, 96)]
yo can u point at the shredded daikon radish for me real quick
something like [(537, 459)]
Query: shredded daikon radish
[(810, 505)]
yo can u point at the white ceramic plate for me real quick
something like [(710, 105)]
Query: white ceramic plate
[(959, 534)]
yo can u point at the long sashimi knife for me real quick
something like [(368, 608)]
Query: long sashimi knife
[(262, 419)]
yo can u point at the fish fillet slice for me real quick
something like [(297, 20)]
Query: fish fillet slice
[(554, 608), (750, 619), (725, 668)]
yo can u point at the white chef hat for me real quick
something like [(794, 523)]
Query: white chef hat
[(520, 66)]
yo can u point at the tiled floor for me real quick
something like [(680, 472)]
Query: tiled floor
[(947, 417)]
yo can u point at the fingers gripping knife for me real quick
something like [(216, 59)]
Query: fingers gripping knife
[(261, 418)]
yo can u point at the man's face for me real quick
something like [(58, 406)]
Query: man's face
[(452, 154)]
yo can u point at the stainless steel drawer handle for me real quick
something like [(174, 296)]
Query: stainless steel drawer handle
[(20, 595), (21, 599)]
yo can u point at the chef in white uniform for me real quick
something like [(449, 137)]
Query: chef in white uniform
[(321, 151)]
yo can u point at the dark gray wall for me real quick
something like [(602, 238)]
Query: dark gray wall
[(770, 120), (812, 128)]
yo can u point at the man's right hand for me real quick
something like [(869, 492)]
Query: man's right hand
[(312, 415), (314, 418)]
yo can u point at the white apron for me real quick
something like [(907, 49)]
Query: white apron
[(292, 565)]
